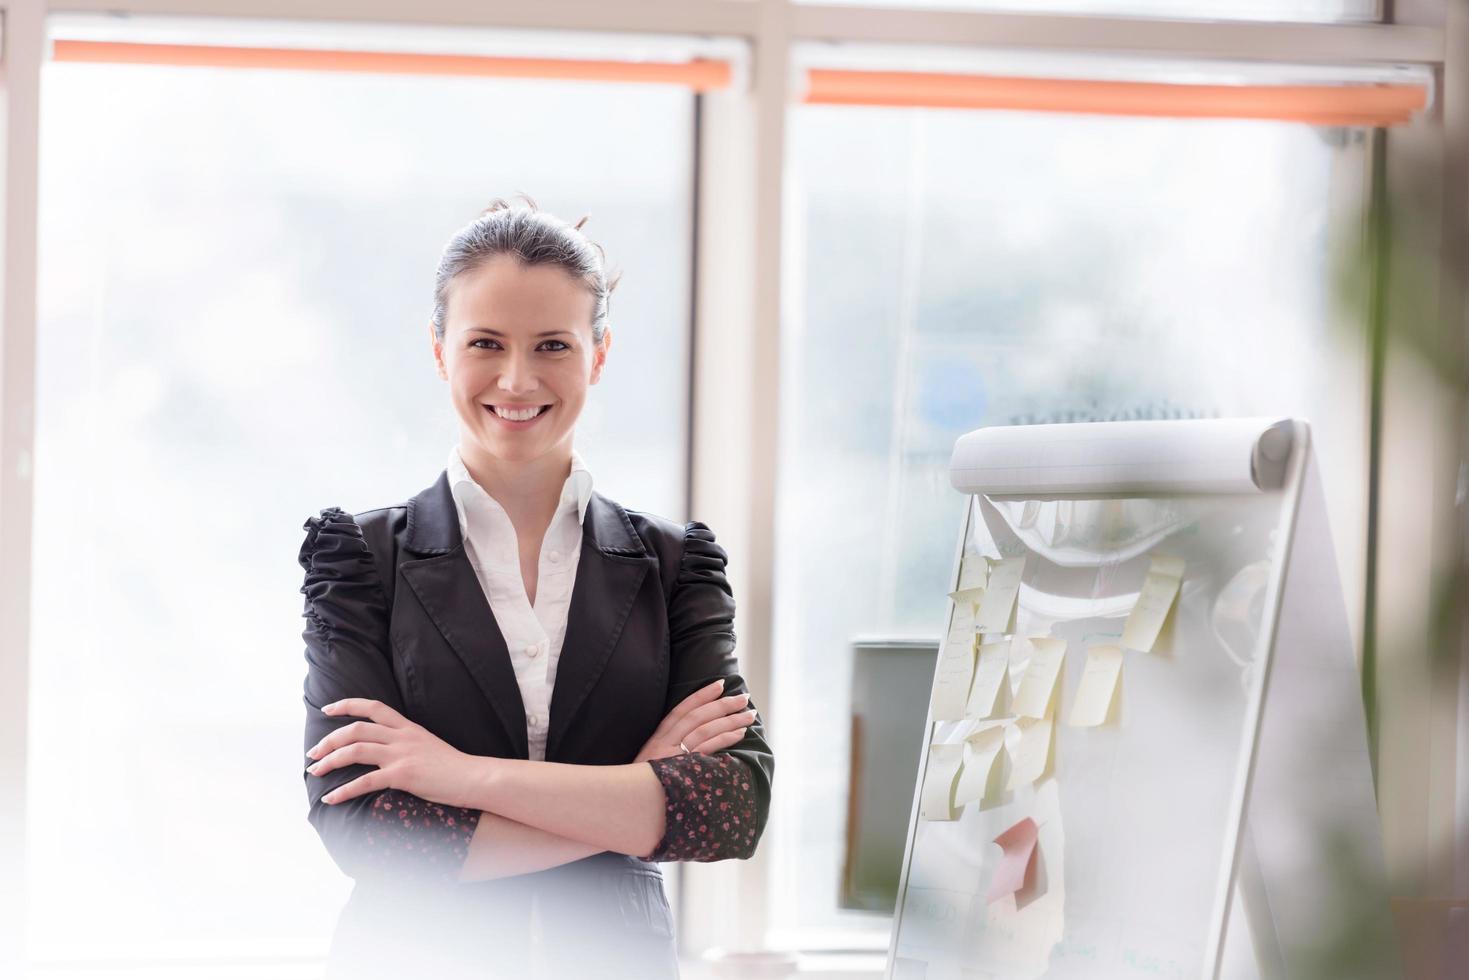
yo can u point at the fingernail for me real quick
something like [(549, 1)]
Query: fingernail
[(718, 684), (312, 768)]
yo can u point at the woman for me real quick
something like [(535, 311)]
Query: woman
[(520, 694)]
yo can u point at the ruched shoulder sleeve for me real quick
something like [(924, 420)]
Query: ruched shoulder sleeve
[(387, 833), (734, 782)]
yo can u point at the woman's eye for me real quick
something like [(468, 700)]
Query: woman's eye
[(482, 340), (560, 345)]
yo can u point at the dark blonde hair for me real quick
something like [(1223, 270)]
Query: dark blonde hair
[(535, 238)]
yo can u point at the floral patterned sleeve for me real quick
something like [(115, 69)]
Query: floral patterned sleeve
[(407, 832), (709, 808)]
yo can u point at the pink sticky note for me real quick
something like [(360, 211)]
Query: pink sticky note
[(1018, 857)]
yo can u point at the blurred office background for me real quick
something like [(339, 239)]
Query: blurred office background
[(848, 235)]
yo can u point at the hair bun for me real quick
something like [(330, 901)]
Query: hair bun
[(500, 204)]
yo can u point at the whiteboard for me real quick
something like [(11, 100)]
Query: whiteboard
[(1143, 835)]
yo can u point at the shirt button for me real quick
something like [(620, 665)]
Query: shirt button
[(534, 720), (554, 556), (532, 650)]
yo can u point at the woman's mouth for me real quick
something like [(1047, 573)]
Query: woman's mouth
[(518, 416)]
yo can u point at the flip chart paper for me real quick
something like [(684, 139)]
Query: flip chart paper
[(989, 676), (1132, 457), (955, 667), (973, 574), (1033, 755), (1017, 857), (1098, 686), (998, 603), (1039, 680), (981, 749), (938, 782), (1159, 589)]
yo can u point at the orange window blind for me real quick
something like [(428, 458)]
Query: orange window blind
[(1355, 104), (701, 75)]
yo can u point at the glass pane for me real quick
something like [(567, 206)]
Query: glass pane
[(1262, 10), (960, 269), (236, 280)]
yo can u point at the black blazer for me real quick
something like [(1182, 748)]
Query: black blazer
[(395, 613)]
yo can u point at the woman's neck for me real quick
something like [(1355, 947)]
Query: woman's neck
[(529, 490)]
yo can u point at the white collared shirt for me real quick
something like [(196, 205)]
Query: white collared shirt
[(533, 634)]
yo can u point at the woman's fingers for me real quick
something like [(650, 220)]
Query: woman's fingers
[(366, 708), (357, 753), (705, 713), (719, 726), (367, 783), (700, 697), (720, 742), (357, 731)]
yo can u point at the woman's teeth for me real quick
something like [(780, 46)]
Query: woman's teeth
[(518, 415)]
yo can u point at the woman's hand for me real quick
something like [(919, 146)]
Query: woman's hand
[(407, 755), (703, 721)]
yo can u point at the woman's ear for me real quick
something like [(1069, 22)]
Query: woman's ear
[(438, 351), (599, 357)]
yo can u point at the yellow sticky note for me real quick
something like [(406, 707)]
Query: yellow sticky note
[(1032, 757), (998, 602), (955, 667), (1039, 680), (981, 749), (973, 574), (937, 802), (1098, 686), (1153, 602), (989, 678)]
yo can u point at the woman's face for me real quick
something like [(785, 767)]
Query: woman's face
[(518, 341)]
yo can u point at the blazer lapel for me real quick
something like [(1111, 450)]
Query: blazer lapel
[(609, 573), (450, 593)]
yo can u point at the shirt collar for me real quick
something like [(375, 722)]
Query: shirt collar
[(577, 488)]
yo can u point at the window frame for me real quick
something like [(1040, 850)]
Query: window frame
[(737, 311)]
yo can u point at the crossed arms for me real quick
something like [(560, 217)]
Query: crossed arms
[(428, 809)]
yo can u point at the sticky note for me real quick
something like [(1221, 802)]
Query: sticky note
[(1098, 686), (955, 667), (1039, 680), (1153, 602), (989, 677), (998, 603), (1032, 756), (973, 574), (937, 802), (981, 749), (1017, 858)]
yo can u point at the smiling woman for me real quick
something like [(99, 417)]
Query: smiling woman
[(552, 704)]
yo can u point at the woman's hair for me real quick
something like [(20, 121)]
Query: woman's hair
[(535, 238)]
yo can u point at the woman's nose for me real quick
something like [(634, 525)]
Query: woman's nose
[(517, 376)]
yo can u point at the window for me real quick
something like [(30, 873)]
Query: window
[(959, 269), (236, 280)]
